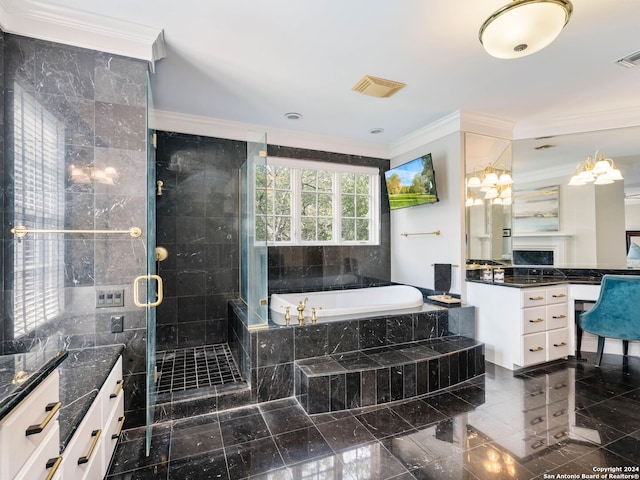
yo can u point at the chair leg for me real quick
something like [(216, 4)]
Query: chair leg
[(625, 347), (600, 351)]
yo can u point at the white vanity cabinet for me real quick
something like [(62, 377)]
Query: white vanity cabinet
[(521, 326), (29, 434), (89, 451)]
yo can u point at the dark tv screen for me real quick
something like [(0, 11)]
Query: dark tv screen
[(412, 183)]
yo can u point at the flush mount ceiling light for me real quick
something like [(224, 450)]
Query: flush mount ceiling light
[(524, 27), (376, 131), (293, 116)]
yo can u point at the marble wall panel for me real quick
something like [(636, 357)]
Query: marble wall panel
[(75, 86)]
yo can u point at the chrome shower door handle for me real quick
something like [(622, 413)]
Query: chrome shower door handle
[(159, 292)]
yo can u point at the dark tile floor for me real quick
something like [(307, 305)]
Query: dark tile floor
[(565, 418)]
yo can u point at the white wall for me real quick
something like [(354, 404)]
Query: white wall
[(412, 257)]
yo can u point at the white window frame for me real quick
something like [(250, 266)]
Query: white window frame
[(336, 169)]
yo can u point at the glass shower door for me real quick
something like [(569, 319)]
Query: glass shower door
[(154, 288), (253, 268)]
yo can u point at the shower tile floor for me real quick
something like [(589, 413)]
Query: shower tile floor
[(195, 367), (476, 431)]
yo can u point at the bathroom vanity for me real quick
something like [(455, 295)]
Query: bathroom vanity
[(531, 319), (521, 327), (60, 413)]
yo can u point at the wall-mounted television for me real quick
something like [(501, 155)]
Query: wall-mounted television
[(412, 183)]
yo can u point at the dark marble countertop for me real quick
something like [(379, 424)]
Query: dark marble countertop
[(82, 375), (539, 281), (21, 373)]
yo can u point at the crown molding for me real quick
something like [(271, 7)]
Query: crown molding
[(455, 122), (232, 130), (38, 19), (429, 133), (577, 123)]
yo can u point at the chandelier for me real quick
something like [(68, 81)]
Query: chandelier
[(597, 169)]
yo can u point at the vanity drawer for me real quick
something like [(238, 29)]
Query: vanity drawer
[(28, 425), (532, 297), (557, 316), (112, 390), (48, 450), (534, 320), (113, 428), (534, 348), (85, 453), (558, 343), (556, 295)]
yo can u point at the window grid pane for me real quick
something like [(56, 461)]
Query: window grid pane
[(315, 204)]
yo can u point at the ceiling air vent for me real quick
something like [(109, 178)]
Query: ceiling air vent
[(377, 87), (631, 60)]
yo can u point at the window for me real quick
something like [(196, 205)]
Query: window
[(38, 275), (313, 203)]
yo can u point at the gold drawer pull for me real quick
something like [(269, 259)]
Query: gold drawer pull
[(558, 295), (117, 390), (53, 464), (535, 394), (559, 413), (536, 420), (536, 298), (119, 429), (52, 408), (559, 435), (559, 316), (559, 386), (561, 344), (539, 349), (96, 436), (537, 320)]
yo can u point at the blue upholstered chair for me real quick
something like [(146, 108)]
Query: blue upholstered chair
[(616, 314)]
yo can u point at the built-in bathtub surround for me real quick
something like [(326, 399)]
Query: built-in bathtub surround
[(266, 357), (93, 105)]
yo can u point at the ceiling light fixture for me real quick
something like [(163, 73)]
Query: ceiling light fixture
[(524, 27), (293, 116), (375, 131)]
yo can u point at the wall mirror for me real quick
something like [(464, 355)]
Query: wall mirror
[(591, 222), (488, 190)]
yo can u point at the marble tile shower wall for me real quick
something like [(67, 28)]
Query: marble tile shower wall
[(95, 104), (198, 222)]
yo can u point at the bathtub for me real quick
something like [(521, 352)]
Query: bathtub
[(336, 304)]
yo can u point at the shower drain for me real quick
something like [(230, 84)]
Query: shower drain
[(195, 367)]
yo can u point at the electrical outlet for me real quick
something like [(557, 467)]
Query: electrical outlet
[(117, 323)]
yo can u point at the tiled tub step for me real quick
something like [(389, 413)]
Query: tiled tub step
[(386, 374)]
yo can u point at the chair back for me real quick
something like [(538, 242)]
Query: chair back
[(616, 314)]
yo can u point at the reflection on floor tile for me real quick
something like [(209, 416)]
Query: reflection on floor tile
[(563, 418)]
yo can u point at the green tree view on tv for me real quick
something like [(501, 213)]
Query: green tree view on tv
[(411, 184)]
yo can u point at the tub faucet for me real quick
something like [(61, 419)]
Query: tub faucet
[(287, 315), (314, 316), (301, 306)]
